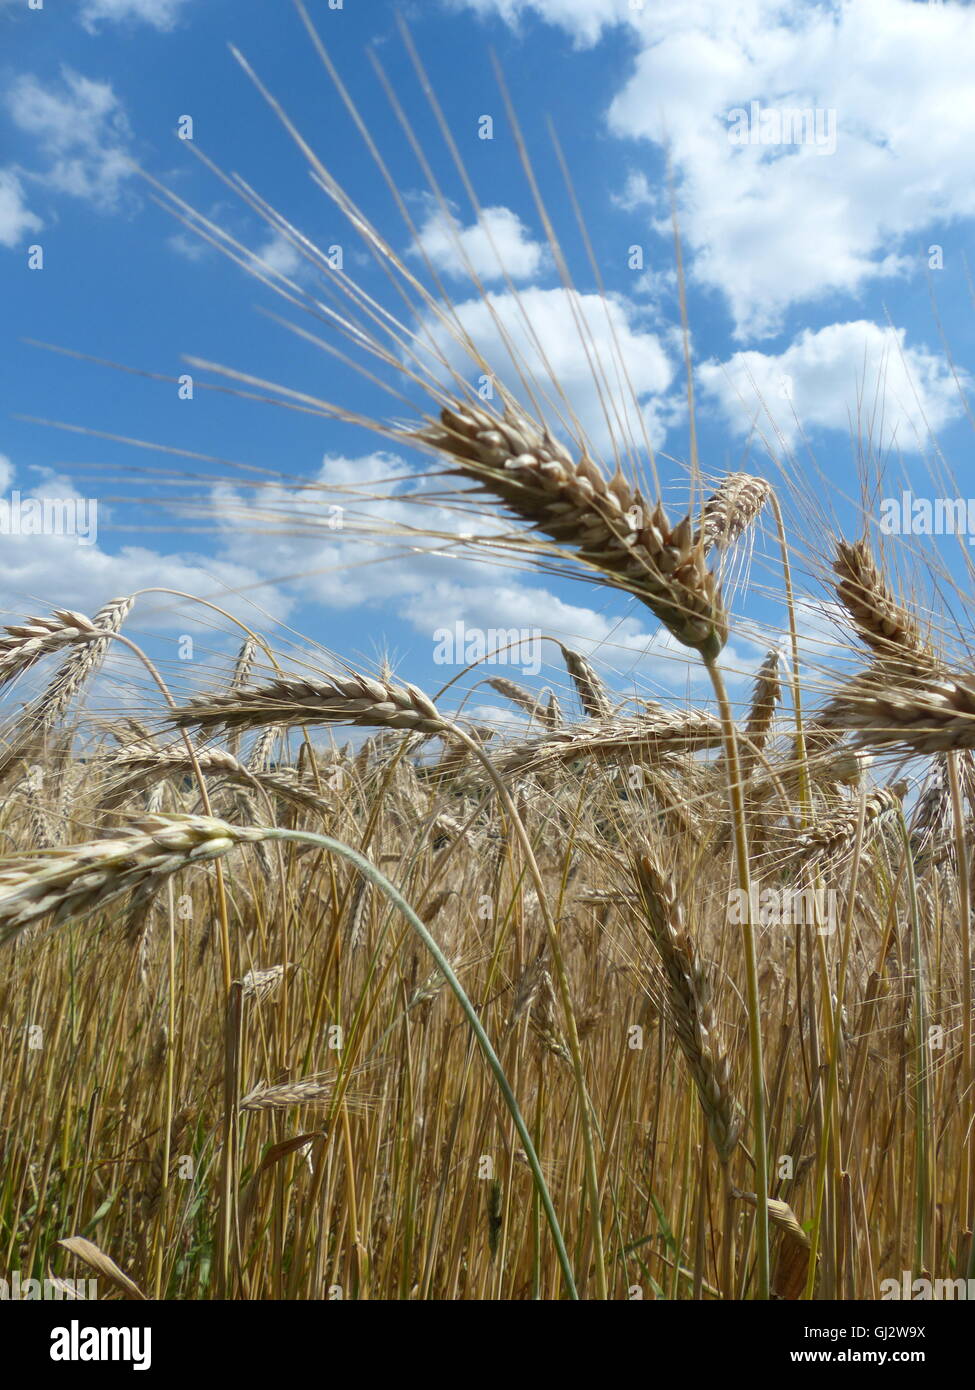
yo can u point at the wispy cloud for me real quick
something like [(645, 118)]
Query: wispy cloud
[(160, 14), (82, 134), (16, 219)]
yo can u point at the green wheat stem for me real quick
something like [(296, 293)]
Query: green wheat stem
[(372, 874)]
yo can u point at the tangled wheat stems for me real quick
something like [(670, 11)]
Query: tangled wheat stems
[(357, 699), (909, 702), (623, 541), (91, 875)]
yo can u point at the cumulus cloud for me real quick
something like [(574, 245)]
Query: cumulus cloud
[(276, 550), (82, 131), (353, 536), (497, 243), (625, 642), (35, 566), (816, 382), (189, 247), (770, 226), (423, 580), (569, 336), (16, 219)]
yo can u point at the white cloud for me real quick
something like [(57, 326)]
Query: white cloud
[(421, 581), (772, 226), (161, 14), (496, 243), (570, 335), (627, 645), (35, 568), (904, 392), (368, 554), (189, 247), (584, 19), (44, 571), (279, 256), (352, 568), (506, 719), (15, 217), (82, 131)]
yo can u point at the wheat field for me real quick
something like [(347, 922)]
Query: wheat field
[(315, 987)]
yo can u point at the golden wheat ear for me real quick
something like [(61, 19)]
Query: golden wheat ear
[(900, 710), (604, 523), (881, 620), (351, 699), (689, 997), (80, 878)]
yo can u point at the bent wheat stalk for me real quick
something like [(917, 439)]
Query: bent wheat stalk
[(358, 699), (739, 821), (87, 876)]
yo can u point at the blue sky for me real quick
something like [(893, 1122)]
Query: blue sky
[(809, 275)]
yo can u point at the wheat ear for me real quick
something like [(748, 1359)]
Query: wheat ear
[(83, 877), (833, 837), (83, 663), (731, 509), (765, 697), (688, 993), (348, 699), (881, 621), (27, 642), (655, 735), (906, 711), (605, 523), (592, 692)]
